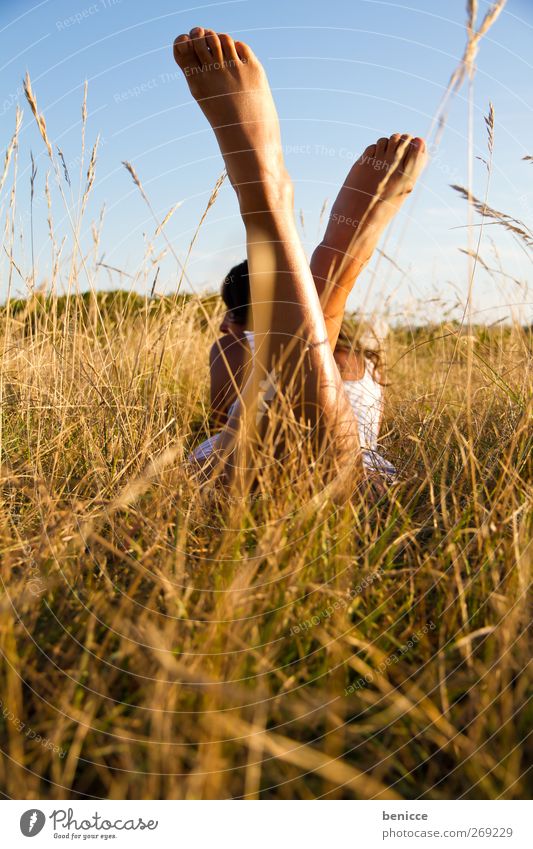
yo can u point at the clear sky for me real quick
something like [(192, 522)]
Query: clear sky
[(343, 73)]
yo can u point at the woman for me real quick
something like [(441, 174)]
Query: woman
[(297, 309)]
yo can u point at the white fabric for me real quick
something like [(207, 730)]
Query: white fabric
[(366, 400), (251, 340)]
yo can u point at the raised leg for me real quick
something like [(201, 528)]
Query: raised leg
[(293, 364)]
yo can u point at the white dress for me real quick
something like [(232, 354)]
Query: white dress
[(366, 400)]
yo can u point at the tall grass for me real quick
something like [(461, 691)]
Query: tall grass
[(159, 644)]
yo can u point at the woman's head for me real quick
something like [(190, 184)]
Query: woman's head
[(358, 338), (236, 293)]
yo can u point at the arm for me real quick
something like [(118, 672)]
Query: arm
[(229, 363)]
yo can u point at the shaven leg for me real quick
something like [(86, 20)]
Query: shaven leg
[(373, 192), (293, 357)]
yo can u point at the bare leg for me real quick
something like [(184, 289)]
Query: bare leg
[(231, 87), (371, 195)]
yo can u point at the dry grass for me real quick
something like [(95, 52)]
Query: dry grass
[(170, 650), (155, 644)]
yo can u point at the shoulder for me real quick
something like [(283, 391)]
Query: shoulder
[(229, 355)]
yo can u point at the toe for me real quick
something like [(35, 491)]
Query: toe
[(200, 45), (369, 152), (404, 144), (245, 53), (415, 148), (181, 44), (402, 141), (402, 149), (381, 146), (215, 47), (228, 47), (183, 51), (395, 147)]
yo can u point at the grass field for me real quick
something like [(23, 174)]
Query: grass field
[(155, 646)]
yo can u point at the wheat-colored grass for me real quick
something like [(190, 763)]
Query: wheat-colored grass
[(175, 650)]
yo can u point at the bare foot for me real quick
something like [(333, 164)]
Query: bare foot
[(232, 89), (372, 194)]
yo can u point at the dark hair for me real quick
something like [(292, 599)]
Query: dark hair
[(236, 292)]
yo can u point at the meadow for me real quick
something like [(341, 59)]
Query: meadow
[(154, 646), (158, 644)]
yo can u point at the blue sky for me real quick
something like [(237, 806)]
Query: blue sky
[(343, 73)]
